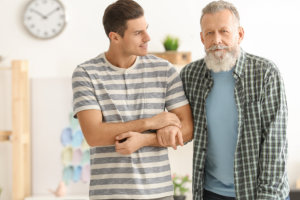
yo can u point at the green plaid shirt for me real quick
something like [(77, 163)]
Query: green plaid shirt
[(261, 152)]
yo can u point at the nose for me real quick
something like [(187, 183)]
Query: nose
[(146, 37), (217, 39)]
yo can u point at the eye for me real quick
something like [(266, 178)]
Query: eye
[(209, 33), (224, 31)]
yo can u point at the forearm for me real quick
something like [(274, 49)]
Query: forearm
[(150, 139), (187, 123), (187, 130), (102, 134), (173, 136), (272, 179), (134, 141), (98, 133)]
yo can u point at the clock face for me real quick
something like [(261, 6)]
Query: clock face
[(45, 19)]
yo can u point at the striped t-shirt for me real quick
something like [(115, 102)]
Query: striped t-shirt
[(150, 86)]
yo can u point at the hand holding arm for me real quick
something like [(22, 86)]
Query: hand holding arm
[(172, 136), (99, 133), (129, 142)]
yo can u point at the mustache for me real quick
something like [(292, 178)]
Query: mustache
[(217, 47)]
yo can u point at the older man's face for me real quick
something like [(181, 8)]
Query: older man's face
[(221, 34)]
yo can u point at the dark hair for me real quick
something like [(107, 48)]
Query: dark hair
[(116, 15)]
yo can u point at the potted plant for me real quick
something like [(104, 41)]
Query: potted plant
[(171, 43), (180, 188)]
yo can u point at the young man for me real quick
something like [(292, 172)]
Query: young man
[(240, 114), (120, 99)]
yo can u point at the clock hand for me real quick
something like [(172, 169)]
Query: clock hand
[(40, 14), (53, 11)]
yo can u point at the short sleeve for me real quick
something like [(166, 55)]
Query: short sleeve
[(175, 96), (84, 97)]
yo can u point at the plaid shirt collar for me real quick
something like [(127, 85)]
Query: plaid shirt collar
[(240, 64)]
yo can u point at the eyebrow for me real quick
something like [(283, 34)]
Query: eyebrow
[(141, 30)]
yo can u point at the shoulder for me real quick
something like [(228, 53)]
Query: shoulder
[(260, 68), (91, 66), (258, 63), (154, 60), (156, 65), (192, 68), (98, 61)]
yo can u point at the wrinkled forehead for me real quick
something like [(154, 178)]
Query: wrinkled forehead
[(221, 18)]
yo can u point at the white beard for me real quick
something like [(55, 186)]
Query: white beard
[(219, 61)]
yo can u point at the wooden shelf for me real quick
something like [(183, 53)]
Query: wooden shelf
[(175, 57), (4, 135)]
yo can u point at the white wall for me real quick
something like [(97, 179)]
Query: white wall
[(272, 29)]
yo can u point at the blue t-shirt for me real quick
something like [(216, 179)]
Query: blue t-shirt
[(222, 120)]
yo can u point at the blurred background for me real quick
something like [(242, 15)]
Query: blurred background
[(272, 30)]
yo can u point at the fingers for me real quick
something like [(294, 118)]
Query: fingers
[(122, 136), (159, 139), (167, 137), (172, 139), (129, 142), (180, 138), (122, 148)]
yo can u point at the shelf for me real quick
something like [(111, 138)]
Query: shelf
[(175, 57)]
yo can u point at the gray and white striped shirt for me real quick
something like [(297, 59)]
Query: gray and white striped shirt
[(147, 88)]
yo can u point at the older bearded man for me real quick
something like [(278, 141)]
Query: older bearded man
[(240, 113)]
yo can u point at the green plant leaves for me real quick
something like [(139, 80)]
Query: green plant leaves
[(171, 43)]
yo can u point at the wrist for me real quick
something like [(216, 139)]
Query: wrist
[(150, 139), (146, 122)]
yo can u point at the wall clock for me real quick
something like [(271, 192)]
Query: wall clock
[(45, 19)]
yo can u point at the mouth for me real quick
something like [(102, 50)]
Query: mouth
[(144, 46), (217, 48)]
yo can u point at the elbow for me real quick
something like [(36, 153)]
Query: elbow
[(90, 139), (90, 142)]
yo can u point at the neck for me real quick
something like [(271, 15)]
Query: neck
[(120, 60)]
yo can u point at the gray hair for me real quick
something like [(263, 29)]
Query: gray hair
[(220, 5)]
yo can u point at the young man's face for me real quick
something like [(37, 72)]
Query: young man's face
[(220, 29), (135, 39)]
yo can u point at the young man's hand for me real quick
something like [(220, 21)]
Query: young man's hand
[(129, 142), (170, 136)]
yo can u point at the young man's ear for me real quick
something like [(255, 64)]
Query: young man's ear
[(114, 37)]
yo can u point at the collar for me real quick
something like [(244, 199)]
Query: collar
[(240, 64)]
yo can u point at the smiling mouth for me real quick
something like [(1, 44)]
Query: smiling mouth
[(144, 46)]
